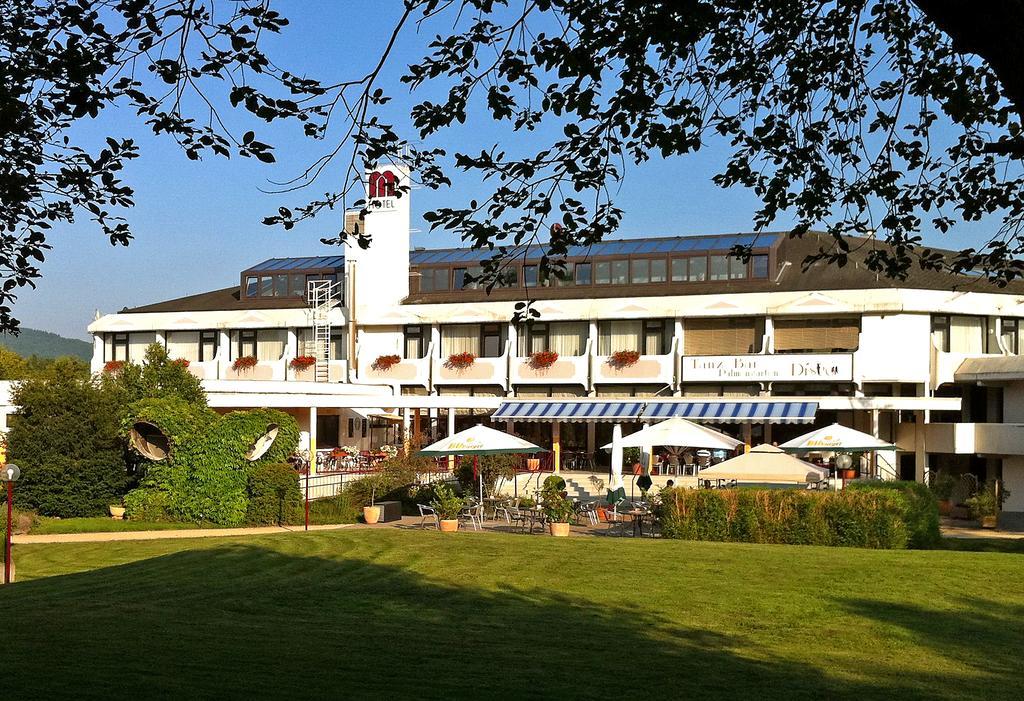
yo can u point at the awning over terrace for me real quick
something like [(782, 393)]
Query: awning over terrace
[(787, 412), (569, 411), (735, 412)]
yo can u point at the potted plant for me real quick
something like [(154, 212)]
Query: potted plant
[(558, 510), (383, 363), (302, 362), (623, 358), (371, 513), (245, 363), (942, 486), (113, 366), (631, 457), (986, 504), (542, 360), (448, 506), (181, 363), (117, 511), (460, 361)]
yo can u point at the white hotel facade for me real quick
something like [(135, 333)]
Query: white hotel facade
[(933, 364)]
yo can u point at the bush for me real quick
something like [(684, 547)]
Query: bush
[(274, 495), (147, 504), (337, 509), (920, 510), (858, 518), (23, 520), (492, 467), (65, 439)]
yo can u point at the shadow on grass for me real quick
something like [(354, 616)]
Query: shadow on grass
[(984, 545), (244, 621)]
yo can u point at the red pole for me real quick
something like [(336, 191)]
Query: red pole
[(7, 542), (307, 496)]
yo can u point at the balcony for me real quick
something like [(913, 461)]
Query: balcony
[(408, 371), (337, 371), (965, 438), (263, 370), (483, 371), (648, 369), (567, 370), (205, 370)]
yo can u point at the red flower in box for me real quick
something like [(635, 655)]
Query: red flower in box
[(302, 362), (543, 359), (246, 362), (383, 363), (113, 366), (460, 361), (624, 358), (180, 362)]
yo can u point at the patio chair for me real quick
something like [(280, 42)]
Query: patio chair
[(473, 513), (589, 510), (428, 512)]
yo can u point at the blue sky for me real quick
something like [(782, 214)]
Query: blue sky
[(197, 225)]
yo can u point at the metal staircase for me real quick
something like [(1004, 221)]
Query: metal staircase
[(321, 299)]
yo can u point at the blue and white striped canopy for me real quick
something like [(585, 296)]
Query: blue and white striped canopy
[(569, 411), (734, 412)]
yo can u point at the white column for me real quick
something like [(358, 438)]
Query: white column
[(312, 439), (407, 427), (616, 479), (97, 353), (920, 449), (161, 338), (223, 353), (451, 431)]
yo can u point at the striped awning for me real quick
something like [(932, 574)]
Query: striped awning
[(734, 412), (568, 411)]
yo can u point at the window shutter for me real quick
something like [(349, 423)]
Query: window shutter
[(720, 336)]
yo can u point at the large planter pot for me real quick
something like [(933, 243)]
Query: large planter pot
[(116, 511), (638, 469), (449, 525), (371, 514), (602, 514), (848, 474), (988, 521), (559, 529), (945, 507)]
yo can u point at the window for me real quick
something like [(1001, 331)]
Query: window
[(208, 341), (460, 338), (737, 268), (959, 334), (297, 285), (116, 347), (351, 427), (719, 267), (940, 332), (363, 427), (657, 337), (529, 276), (458, 278), (137, 345), (1010, 335), (640, 272), (817, 335), (603, 274), (698, 269), (266, 286), (270, 343), (246, 344), (183, 345), (434, 280), (613, 336), (658, 270), (415, 342), (736, 336), (509, 277), (562, 277), (620, 272), (533, 338), (583, 274), (339, 343), (251, 286), (679, 270), (491, 340), (759, 267), (280, 285)]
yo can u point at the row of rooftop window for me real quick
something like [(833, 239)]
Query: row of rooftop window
[(636, 271), (288, 284)]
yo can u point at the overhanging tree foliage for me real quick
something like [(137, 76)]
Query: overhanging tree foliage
[(891, 116)]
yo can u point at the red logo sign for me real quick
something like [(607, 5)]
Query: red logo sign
[(382, 184)]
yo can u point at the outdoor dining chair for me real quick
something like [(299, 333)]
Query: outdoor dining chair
[(474, 514), (428, 512)]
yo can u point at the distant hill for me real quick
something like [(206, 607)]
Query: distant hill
[(45, 344)]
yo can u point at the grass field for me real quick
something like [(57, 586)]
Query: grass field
[(102, 524), (400, 614)]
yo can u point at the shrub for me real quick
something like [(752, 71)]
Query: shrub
[(147, 505), (920, 510), (857, 518), (336, 509), (446, 504), (274, 496), (492, 467), (22, 519)]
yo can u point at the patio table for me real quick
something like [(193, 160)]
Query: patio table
[(637, 516)]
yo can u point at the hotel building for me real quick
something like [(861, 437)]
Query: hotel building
[(933, 364)]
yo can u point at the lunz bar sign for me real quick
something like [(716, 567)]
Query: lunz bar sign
[(784, 368)]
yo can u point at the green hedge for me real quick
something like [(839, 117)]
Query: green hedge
[(274, 496), (920, 510), (859, 518)]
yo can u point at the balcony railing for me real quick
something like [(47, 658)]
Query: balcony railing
[(482, 371), (647, 369), (567, 370), (408, 371)]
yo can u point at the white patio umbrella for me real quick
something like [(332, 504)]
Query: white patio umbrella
[(767, 464), (675, 432), (835, 437), (480, 440)]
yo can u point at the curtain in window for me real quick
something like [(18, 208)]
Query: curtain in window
[(966, 334), (722, 336), (460, 338), (618, 336), (823, 335), (568, 338), (304, 345), (183, 345), (270, 343), (137, 345)]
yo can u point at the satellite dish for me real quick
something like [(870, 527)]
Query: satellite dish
[(262, 444), (149, 441)]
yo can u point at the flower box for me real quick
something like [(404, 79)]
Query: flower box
[(624, 358), (245, 363), (302, 362), (460, 361), (112, 366), (383, 363), (543, 359)]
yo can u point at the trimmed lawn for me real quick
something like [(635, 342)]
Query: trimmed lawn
[(410, 614), (102, 524)]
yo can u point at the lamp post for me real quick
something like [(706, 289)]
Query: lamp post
[(10, 474)]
